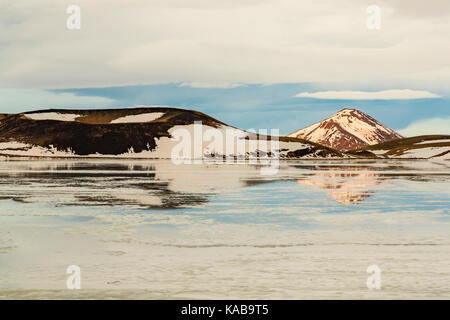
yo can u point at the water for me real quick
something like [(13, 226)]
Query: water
[(155, 230)]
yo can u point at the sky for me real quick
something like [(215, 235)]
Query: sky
[(254, 64)]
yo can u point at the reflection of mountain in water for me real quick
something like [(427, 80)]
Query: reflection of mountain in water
[(347, 188)]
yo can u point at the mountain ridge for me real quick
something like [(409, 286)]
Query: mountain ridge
[(132, 133), (148, 132)]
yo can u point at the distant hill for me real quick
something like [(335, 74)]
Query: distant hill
[(348, 129), (130, 133), (420, 147)]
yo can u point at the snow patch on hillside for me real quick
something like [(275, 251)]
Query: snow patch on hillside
[(379, 152), (25, 149), (424, 153), (445, 157), (143, 117), (53, 116), (213, 141), (434, 141)]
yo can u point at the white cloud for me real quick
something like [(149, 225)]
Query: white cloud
[(427, 126), (233, 41), (21, 100), (369, 95)]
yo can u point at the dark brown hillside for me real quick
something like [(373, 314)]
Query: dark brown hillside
[(93, 133)]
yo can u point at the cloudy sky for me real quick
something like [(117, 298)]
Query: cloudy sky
[(251, 63)]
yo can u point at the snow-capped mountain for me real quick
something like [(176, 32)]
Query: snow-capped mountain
[(348, 129)]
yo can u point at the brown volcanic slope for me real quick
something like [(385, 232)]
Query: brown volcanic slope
[(348, 129), (93, 133)]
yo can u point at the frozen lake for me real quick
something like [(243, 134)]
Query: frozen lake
[(154, 230)]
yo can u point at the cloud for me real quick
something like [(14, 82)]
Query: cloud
[(233, 41), (427, 126), (21, 100), (404, 94), (419, 8)]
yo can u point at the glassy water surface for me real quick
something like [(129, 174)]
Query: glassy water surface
[(152, 229)]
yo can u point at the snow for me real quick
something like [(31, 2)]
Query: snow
[(53, 116), (143, 117), (212, 140), (434, 141), (182, 144), (365, 129), (25, 149), (443, 157), (378, 152), (424, 153), (418, 153), (220, 141), (304, 131)]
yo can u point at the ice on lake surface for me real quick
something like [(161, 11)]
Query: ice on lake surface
[(156, 230)]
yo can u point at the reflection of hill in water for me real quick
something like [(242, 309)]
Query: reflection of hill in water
[(346, 188), (163, 185), (95, 184), (142, 184)]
